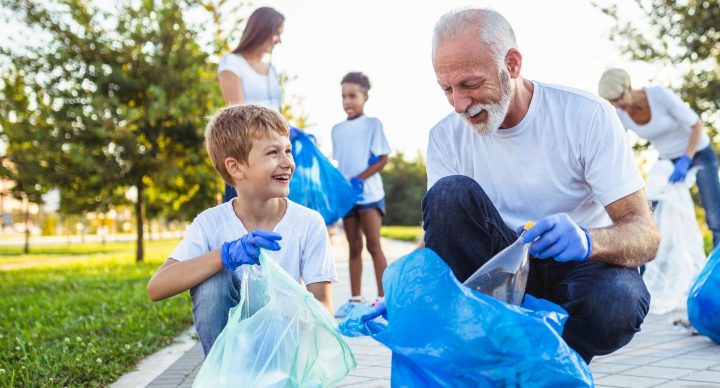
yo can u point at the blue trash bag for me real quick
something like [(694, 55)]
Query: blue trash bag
[(317, 184), (703, 301), (278, 336), (442, 333)]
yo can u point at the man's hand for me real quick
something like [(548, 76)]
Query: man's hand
[(559, 237), (377, 311), (681, 168), (246, 249)]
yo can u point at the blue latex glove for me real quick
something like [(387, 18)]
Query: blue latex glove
[(357, 184), (373, 159), (681, 168), (559, 237), (377, 311), (246, 249)]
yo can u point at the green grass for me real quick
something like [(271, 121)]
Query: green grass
[(405, 233), (83, 324)]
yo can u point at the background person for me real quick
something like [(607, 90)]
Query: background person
[(361, 149), (659, 115), (243, 75)]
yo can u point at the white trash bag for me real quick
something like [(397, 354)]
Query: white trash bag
[(680, 255)]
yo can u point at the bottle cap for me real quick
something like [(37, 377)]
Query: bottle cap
[(528, 225)]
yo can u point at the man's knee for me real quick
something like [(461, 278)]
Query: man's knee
[(605, 317)]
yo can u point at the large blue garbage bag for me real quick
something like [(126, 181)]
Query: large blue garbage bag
[(317, 184), (703, 302), (442, 333)]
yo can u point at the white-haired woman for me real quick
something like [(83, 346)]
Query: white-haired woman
[(659, 115)]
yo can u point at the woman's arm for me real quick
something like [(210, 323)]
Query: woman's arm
[(323, 293), (174, 276), (697, 130), (231, 88)]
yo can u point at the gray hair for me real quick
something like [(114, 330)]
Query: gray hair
[(492, 28)]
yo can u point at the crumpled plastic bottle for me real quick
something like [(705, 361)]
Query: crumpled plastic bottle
[(505, 275)]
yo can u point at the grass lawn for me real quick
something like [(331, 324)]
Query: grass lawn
[(405, 233), (84, 321)]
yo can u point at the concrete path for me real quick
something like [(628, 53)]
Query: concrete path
[(661, 355)]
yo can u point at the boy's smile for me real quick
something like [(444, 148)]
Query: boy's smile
[(354, 98)]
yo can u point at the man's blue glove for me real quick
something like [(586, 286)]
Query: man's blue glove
[(559, 237), (681, 168), (246, 249), (357, 184), (377, 311)]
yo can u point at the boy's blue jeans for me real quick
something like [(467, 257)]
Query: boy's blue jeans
[(212, 301), (606, 303), (709, 188)]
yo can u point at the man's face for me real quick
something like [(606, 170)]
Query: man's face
[(473, 84)]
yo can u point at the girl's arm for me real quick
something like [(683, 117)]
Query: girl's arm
[(231, 88), (323, 293), (174, 276), (697, 130), (373, 168)]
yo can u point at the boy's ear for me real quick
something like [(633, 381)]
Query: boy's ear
[(235, 168)]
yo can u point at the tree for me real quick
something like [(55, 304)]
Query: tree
[(405, 183), (677, 33), (116, 99)]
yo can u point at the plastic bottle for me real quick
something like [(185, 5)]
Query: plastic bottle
[(505, 275)]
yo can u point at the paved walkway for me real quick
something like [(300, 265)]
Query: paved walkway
[(661, 355)]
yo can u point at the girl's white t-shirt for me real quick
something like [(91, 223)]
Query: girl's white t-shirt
[(304, 249), (670, 124), (258, 89)]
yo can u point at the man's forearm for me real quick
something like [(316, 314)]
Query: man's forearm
[(633, 238)]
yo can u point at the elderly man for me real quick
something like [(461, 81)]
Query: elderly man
[(517, 150)]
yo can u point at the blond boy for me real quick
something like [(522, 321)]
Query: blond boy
[(250, 148)]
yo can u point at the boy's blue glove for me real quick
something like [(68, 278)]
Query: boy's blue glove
[(681, 168), (559, 237), (377, 311), (357, 184), (246, 249)]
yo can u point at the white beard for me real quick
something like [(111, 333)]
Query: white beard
[(496, 112)]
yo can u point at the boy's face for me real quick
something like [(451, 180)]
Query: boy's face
[(354, 98), (269, 168)]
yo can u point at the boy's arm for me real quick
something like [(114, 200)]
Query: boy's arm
[(323, 293), (174, 276), (373, 168)]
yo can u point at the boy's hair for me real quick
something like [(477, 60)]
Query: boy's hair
[(357, 78), (231, 131)]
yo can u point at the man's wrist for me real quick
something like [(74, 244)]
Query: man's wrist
[(589, 243)]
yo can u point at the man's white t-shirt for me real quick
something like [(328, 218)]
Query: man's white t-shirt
[(304, 249), (569, 154), (353, 141), (258, 89), (670, 124)]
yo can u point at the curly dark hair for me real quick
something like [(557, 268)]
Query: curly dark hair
[(357, 78)]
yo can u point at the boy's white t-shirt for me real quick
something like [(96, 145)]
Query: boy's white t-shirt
[(258, 89), (670, 124), (569, 154), (304, 249), (353, 141)]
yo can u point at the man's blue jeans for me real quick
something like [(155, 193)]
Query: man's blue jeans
[(709, 188), (212, 301), (606, 303)]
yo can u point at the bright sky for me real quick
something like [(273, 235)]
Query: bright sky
[(562, 41)]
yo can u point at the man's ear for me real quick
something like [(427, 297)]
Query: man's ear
[(513, 61), (235, 168)]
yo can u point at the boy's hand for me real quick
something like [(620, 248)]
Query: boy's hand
[(246, 249)]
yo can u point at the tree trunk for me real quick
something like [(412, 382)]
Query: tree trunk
[(139, 216), (26, 248)]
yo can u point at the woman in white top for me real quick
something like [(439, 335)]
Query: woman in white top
[(244, 77), (674, 130)]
